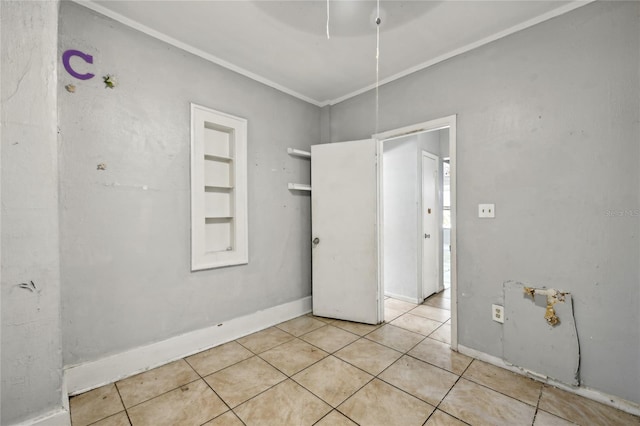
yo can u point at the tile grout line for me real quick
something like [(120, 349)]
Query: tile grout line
[(329, 354), (535, 414), (161, 394), (449, 391), (288, 377), (403, 329), (310, 365), (273, 326), (417, 359), (209, 386), (496, 391), (377, 376), (126, 410)]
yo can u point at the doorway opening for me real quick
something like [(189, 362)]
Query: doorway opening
[(417, 245)]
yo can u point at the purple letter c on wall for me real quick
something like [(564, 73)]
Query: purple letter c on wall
[(66, 56)]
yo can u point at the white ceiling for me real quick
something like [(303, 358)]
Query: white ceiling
[(284, 43)]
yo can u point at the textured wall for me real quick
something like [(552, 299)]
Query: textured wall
[(31, 336), (125, 245), (548, 130)]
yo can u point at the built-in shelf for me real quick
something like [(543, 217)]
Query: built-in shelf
[(218, 158), (300, 187), (299, 153), (218, 189)]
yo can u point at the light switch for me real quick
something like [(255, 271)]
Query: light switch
[(487, 211)]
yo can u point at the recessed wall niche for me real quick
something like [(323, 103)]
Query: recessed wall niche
[(218, 189)]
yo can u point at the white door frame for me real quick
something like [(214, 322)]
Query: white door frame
[(438, 214), (440, 123)]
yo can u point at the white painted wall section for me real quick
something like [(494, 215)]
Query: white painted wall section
[(30, 274), (400, 177)]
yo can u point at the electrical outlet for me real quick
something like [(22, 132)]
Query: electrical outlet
[(487, 211), (497, 312)]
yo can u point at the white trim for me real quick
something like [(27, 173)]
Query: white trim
[(403, 298), (90, 4), (65, 393), (59, 417), (453, 191), (93, 374), (425, 126), (593, 394), (193, 50), (464, 49), (380, 227), (449, 122)]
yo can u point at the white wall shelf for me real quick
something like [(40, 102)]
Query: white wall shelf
[(300, 187), (302, 154), (218, 187), (218, 158), (299, 153)]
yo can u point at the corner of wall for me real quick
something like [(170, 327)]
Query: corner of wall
[(31, 327)]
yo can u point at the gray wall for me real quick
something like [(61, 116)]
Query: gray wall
[(125, 246), (31, 336), (401, 203), (548, 130)]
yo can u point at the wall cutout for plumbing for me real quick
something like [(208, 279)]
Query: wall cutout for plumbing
[(531, 342)]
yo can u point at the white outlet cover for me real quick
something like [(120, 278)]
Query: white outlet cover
[(487, 211), (497, 313)]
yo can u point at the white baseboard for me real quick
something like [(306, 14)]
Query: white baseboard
[(610, 400), (60, 417), (403, 298), (90, 375)]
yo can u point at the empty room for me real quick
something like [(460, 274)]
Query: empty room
[(323, 212)]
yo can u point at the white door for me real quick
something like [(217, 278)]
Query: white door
[(344, 210), (431, 225)]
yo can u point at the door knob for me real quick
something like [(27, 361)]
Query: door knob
[(316, 241)]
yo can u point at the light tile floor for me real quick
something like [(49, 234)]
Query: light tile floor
[(317, 371)]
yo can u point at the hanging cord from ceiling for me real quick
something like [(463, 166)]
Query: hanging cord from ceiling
[(328, 35), (378, 21)]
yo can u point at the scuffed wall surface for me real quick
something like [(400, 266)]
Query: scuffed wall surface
[(30, 275), (530, 342), (548, 131), (125, 246)]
